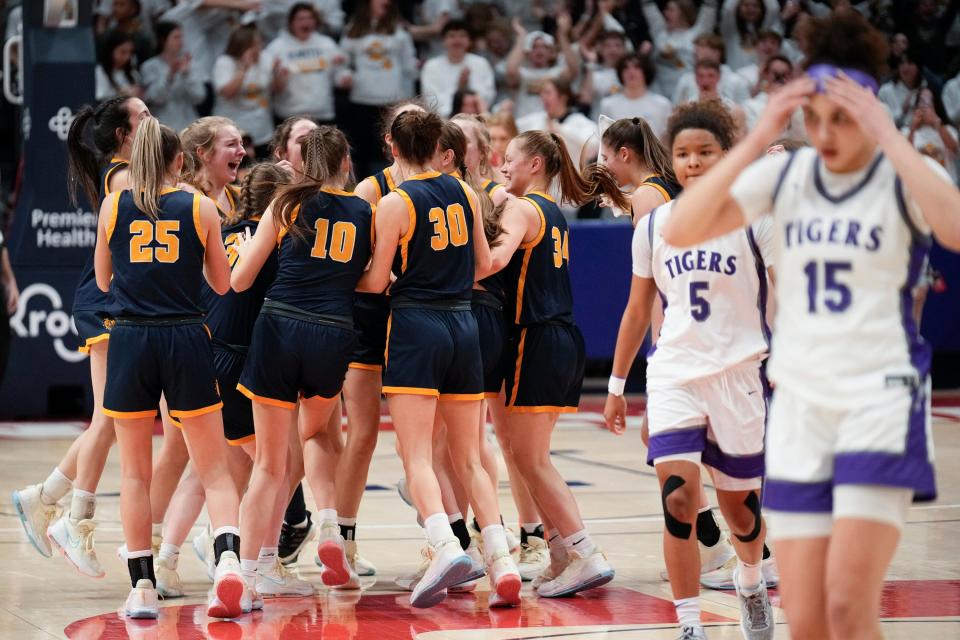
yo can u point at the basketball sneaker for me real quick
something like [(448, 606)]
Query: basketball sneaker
[(449, 567), (35, 516), (756, 613), (581, 574), (477, 571), (330, 550), (770, 574), (203, 547), (362, 566), (225, 598), (722, 578), (251, 600), (353, 582), (505, 582), (294, 539), (716, 565), (279, 582), (404, 492), (75, 542), (142, 601), (534, 558), (168, 580), (409, 581), (558, 562), (692, 633)]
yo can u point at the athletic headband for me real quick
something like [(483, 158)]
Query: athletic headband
[(820, 73)]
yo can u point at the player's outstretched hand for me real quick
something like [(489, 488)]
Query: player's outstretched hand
[(615, 414), (862, 106)]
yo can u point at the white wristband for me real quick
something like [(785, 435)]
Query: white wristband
[(616, 385)]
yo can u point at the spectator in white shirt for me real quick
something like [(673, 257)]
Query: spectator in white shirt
[(732, 86), (384, 65), (951, 99), (314, 65), (673, 33), (600, 80), (741, 24), (171, 87), (455, 70), (539, 50), (244, 85), (556, 115), (930, 134), (636, 73), (769, 44), (777, 72), (901, 94), (115, 73)]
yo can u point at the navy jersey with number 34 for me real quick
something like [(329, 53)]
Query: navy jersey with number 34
[(538, 275), (157, 264)]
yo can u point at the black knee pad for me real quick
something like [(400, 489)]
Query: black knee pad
[(675, 527), (752, 502)]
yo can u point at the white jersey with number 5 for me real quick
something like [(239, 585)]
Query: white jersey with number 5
[(849, 251), (714, 299)]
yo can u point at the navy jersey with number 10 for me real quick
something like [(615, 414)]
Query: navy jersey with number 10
[(435, 260), (157, 264), (319, 271)]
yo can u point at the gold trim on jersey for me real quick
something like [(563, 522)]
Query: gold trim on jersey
[(129, 415), (516, 373), (405, 239), (542, 195), (542, 409), (362, 366), (85, 348), (106, 177), (426, 175), (412, 391), (242, 441), (112, 220), (528, 251), (376, 185), (196, 220), (293, 219), (273, 402), (386, 347), (465, 397), (389, 178), (663, 192)]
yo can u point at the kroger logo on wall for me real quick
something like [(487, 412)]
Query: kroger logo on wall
[(40, 321)]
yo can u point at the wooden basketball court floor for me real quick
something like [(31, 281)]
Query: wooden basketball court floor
[(617, 492)]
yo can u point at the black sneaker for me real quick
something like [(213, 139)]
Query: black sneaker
[(293, 539)]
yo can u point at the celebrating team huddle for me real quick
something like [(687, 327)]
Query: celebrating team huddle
[(443, 284)]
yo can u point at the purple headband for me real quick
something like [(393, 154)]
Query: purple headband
[(820, 73)]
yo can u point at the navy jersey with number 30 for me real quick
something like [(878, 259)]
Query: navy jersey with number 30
[(435, 259), (157, 264)]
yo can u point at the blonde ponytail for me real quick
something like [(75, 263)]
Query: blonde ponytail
[(154, 148)]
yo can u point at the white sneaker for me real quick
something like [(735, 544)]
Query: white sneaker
[(332, 554), (404, 492), (558, 562), (75, 542), (168, 580), (534, 558), (770, 574), (361, 565), (712, 558), (251, 600), (203, 547), (756, 613), (353, 582), (450, 566), (505, 582), (409, 581), (142, 601), (721, 578), (581, 574), (35, 516), (224, 600), (692, 633), (477, 571), (278, 582)]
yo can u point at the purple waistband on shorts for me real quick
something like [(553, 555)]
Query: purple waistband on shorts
[(798, 497), (735, 466), (689, 440)]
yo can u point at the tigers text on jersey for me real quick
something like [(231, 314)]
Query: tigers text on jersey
[(157, 264), (231, 317), (538, 275), (318, 270), (849, 249), (714, 299), (435, 259)]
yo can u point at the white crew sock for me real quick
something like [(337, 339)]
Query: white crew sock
[(83, 505), (327, 515), (438, 529), (170, 553), (157, 530), (581, 543), (748, 576), (688, 612), (268, 557), (453, 517), (55, 487), (494, 541)]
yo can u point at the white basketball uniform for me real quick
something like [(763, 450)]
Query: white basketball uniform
[(706, 399), (851, 405)]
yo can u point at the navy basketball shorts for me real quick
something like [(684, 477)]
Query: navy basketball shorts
[(147, 357), (92, 327), (237, 409), (370, 313), (433, 352), (291, 358), (492, 328), (545, 370)]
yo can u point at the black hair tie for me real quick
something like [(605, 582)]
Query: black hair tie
[(635, 120)]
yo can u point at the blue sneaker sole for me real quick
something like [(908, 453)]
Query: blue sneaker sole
[(455, 574), (26, 529), (594, 582)]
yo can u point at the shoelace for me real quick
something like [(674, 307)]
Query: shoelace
[(85, 528), (688, 633), (756, 611)]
